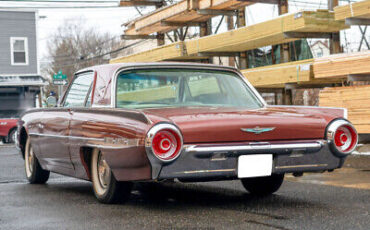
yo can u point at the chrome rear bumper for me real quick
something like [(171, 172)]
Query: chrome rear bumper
[(219, 161)]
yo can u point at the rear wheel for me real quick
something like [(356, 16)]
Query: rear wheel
[(34, 173), (12, 135), (106, 188), (263, 186)]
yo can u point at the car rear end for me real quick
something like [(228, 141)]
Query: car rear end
[(220, 161)]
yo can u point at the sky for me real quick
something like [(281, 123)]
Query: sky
[(110, 19)]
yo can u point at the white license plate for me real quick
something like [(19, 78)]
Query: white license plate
[(254, 165)]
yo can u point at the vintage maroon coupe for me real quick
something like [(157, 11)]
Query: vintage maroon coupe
[(121, 123)]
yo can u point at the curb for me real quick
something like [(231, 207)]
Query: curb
[(358, 161)]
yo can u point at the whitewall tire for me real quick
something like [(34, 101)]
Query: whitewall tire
[(34, 173), (106, 188)]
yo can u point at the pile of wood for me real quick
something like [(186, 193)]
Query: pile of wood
[(355, 98), (285, 28), (185, 12), (342, 65), (353, 10), (276, 76), (271, 32), (173, 51)]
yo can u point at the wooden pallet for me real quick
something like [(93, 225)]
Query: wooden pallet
[(354, 10), (355, 98), (272, 32), (185, 11), (342, 65)]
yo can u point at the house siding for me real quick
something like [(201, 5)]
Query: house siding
[(17, 24)]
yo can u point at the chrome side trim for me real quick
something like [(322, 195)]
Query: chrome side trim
[(206, 171), (101, 143), (68, 137), (301, 166), (254, 146)]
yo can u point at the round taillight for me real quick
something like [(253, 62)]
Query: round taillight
[(164, 141), (343, 137)]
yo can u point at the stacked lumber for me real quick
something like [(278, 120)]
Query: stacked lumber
[(271, 32), (291, 72), (276, 76), (267, 33), (174, 51), (355, 98), (185, 11), (353, 10), (342, 65)]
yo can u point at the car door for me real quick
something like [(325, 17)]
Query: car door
[(81, 117), (55, 147)]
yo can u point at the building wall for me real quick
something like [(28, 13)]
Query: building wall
[(17, 24), (320, 49)]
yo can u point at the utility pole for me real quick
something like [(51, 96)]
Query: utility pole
[(334, 42)]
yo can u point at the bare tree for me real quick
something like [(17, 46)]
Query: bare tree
[(74, 46)]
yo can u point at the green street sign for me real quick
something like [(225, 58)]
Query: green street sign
[(59, 76), (60, 82)]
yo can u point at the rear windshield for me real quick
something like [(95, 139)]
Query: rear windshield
[(183, 87)]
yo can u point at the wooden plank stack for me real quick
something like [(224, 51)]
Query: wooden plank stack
[(342, 65), (173, 51), (276, 76), (246, 38), (353, 10), (182, 12), (267, 33), (355, 98)]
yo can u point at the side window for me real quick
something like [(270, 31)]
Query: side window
[(78, 91)]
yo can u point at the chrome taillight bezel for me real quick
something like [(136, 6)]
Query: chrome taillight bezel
[(152, 133), (330, 136)]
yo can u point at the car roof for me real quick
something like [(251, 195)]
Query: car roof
[(116, 66)]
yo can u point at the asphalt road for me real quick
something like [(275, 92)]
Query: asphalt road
[(312, 202)]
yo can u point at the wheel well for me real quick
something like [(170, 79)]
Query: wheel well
[(23, 140), (86, 156)]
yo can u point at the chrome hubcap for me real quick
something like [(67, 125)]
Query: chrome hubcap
[(104, 173)]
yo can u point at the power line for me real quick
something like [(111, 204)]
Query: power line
[(102, 55)]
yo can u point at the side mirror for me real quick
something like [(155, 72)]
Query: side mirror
[(51, 101)]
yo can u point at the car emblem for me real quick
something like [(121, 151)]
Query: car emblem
[(257, 129)]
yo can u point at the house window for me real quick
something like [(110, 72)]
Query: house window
[(19, 50)]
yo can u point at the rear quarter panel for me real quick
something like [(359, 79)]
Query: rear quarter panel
[(118, 134)]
